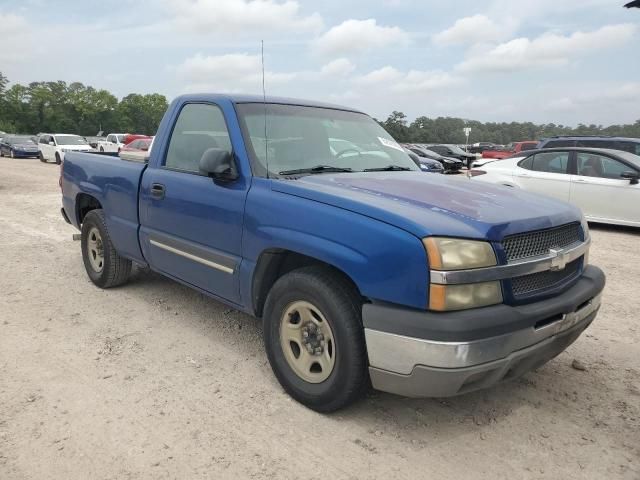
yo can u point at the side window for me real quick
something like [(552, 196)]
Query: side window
[(559, 144), (552, 162), (590, 165), (527, 163), (109, 138), (43, 139), (528, 146), (199, 127)]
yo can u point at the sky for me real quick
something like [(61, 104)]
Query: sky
[(546, 61)]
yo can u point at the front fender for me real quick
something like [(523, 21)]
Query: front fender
[(385, 262)]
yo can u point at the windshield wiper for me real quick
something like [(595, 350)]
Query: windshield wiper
[(388, 168), (316, 169)]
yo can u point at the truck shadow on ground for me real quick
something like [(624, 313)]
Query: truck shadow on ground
[(551, 394)]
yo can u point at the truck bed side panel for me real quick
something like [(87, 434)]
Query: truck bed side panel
[(114, 183)]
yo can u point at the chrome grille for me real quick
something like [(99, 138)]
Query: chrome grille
[(532, 244), (528, 284)]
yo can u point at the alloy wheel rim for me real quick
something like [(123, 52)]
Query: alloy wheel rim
[(95, 249), (307, 342)]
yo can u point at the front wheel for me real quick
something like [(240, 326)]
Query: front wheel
[(58, 159), (103, 264), (102, 149), (12, 154), (41, 157), (314, 338)]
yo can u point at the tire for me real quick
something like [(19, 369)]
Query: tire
[(1, 154), (102, 149), (41, 157), (338, 304), (58, 160), (114, 269), (12, 154)]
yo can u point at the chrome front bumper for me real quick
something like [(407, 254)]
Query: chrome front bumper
[(419, 367)]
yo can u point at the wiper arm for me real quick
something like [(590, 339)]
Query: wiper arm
[(388, 168), (316, 169)]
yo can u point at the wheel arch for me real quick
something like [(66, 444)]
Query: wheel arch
[(274, 263), (84, 204)]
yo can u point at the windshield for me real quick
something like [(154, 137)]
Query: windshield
[(120, 138), (629, 157), (302, 137), (70, 140), (19, 140), (457, 150)]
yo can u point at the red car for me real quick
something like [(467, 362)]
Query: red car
[(128, 138), (137, 150), (510, 149)]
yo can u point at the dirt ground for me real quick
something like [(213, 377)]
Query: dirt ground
[(153, 380)]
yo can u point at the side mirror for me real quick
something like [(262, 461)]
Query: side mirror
[(219, 165), (633, 177), (53, 144)]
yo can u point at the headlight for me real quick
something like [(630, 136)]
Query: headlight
[(458, 254), (585, 230), (461, 297)]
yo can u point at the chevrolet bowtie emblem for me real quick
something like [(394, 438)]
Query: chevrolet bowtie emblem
[(558, 259)]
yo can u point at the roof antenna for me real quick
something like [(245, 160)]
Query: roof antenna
[(264, 102)]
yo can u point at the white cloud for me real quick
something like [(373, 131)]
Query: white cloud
[(228, 73), (207, 16), (14, 27), (360, 35), (477, 28), (413, 81), (338, 67), (549, 49)]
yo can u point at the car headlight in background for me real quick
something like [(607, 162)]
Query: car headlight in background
[(459, 254)]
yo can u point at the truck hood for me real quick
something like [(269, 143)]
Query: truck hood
[(433, 204)]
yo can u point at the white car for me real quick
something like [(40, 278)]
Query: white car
[(52, 146), (603, 183), (113, 143)]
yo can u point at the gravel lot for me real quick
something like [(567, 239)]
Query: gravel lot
[(153, 380)]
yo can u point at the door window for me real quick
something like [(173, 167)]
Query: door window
[(199, 128), (631, 147), (550, 162), (591, 165)]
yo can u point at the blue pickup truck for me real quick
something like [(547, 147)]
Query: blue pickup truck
[(364, 270)]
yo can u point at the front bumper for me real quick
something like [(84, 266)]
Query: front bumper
[(427, 354)]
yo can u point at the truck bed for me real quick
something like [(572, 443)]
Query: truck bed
[(115, 184)]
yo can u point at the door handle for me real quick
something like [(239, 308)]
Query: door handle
[(157, 191), (580, 180)]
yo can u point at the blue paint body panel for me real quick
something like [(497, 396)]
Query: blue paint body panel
[(368, 225)]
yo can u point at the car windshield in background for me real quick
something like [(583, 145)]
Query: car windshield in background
[(70, 140), (302, 137), (457, 150), (19, 140)]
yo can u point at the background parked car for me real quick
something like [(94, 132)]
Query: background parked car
[(128, 138), (425, 164), (449, 165), (480, 147), (137, 151), (602, 182), (94, 141), (18, 146), (53, 146), (631, 145), (511, 149), (113, 143), (452, 151)]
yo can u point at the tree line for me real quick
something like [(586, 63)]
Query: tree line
[(76, 108), (451, 130)]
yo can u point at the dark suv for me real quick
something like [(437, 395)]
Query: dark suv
[(631, 145)]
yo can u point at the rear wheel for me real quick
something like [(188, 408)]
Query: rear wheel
[(314, 338), (103, 264), (58, 160)]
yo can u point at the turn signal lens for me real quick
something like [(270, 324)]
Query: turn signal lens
[(460, 297)]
